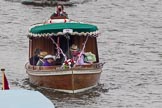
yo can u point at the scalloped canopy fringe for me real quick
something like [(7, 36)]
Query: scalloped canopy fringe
[(57, 29)]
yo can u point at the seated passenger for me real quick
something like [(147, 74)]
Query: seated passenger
[(74, 52), (59, 12), (33, 60), (41, 58), (75, 55), (89, 57), (49, 60)]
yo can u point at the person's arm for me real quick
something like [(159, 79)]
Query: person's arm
[(65, 14)]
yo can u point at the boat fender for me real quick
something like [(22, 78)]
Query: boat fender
[(58, 20)]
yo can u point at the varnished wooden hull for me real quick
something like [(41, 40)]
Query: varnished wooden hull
[(71, 81)]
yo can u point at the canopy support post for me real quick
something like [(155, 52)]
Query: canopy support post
[(68, 38)]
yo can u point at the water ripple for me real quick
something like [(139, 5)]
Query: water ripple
[(129, 43)]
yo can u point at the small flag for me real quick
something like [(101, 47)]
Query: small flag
[(5, 85)]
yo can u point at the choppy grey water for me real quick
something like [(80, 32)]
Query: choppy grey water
[(130, 43)]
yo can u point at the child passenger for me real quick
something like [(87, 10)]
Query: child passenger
[(49, 60)]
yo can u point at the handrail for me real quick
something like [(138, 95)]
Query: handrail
[(59, 68)]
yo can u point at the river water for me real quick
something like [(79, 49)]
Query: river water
[(130, 43)]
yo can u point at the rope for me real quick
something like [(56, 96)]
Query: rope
[(82, 49), (58, 51), (58, 48)]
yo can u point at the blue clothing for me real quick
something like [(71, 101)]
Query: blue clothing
[(46, 63)]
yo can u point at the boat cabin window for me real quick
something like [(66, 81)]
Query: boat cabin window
[(51, 46)]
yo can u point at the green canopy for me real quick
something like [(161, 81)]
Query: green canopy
[(56, 29)]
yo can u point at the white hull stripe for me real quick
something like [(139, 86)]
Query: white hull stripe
[(73, 91), (38, 73)]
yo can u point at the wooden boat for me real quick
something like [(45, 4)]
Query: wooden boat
[(72, 79), (47, 2)]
